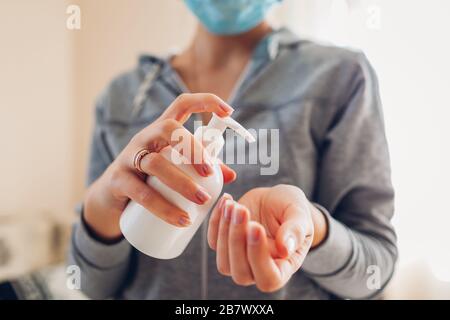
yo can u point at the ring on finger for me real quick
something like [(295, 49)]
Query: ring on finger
[(138, 158)]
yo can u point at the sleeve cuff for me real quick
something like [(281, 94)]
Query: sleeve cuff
[(334, 253), (96, 253)]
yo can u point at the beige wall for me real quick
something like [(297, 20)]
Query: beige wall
[(113, 34), (49, 79), (36, 107)]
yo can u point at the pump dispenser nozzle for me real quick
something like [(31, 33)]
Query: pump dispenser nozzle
[(214, 131), (221, 124)]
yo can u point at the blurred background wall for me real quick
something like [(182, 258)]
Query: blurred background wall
[(36, 129), (50, 77)]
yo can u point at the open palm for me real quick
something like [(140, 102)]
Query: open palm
[(264, 237)]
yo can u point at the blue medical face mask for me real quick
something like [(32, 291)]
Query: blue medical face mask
[(228, 17)]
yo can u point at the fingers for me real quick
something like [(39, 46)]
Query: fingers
[(172, 176), (245, 252), (239, 265), (171, 132), (265, 271), (191, 149), (214, 221), (222, 257), (187, 104), (134, 188)]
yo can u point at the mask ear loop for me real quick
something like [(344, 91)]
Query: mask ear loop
[(144, 88)]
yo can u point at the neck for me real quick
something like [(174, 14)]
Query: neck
[(215, 50)]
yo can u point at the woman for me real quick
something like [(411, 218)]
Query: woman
[(320, 228)]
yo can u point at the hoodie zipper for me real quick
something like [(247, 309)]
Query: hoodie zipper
[(237, 91)]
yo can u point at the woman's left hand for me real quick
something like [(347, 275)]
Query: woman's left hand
[(264, 238)]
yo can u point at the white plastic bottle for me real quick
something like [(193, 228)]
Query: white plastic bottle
[(159, 239)]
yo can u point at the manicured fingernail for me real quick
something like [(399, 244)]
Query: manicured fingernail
[(228, 209), (238, 215), (206, 169), (222, 200), (253, 236), (290, 244), (220, 204), (202, 196), (227, 195), (226, 108), (184, 221)]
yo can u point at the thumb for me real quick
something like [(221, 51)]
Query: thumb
[(291, 233), (229, 175)]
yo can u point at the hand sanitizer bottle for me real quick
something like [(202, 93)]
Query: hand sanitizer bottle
[(159, 239)]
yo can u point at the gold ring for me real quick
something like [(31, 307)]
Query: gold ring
[(138, 158)]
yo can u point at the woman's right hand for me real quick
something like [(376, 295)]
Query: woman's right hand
[(108, 196)]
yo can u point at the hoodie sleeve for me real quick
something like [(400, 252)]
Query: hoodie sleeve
[(355, 194), (103, 267)]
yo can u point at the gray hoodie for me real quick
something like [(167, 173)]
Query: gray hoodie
[(325, 102)]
